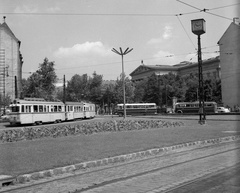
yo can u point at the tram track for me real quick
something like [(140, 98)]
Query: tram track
[(146, 166)]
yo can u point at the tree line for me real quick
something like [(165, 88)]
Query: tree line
[(159, 89)]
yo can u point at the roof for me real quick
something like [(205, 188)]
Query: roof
[(232, 25), (182, 65), (9, 31)]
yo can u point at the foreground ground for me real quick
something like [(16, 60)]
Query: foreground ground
[(30, 156)]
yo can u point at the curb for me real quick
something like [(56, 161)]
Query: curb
[(119, 159)]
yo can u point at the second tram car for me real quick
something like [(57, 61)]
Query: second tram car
[(38, 111)]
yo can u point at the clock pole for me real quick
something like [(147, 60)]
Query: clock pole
[(202, 115), (198, 28)]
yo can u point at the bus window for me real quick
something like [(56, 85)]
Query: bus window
[(35, 108)]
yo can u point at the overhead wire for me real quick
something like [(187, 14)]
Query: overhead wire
[(207, 10), (186, 32), (126, 14)]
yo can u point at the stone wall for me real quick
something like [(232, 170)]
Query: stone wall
[(87, 128)]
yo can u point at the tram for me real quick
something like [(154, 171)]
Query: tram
[(38, 111)]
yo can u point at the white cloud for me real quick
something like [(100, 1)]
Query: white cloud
[(163, 54), (26, 9), (155, 41), (165, 58), (53, 9), (167, 34), (87, 48)]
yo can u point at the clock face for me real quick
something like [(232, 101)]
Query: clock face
[(197, 25)]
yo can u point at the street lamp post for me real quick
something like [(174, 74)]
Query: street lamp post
[(199, 28), (121, 53)]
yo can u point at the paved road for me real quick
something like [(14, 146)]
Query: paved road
[(154, 174), (227, 180)]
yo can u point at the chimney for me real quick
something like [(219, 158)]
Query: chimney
[(236, 20)]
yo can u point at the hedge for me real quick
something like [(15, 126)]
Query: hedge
[(87, 128)]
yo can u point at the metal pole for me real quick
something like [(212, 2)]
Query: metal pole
[(123, 75), (16, 88), (202, 117), (4, 92), (64, 90), (124, 97)]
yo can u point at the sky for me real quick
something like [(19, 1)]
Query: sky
[(78, 35)]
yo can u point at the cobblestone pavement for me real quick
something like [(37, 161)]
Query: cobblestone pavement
[(153, 174)]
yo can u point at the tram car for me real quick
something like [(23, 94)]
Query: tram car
[(38, 111)]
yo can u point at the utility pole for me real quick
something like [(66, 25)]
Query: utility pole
[(199, 28), (121, 53)]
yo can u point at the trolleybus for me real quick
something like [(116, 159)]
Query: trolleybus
[(137, 109), (193, 107)]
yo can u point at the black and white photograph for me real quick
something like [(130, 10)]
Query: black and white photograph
[(119, 96)]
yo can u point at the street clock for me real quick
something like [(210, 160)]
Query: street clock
[(198, 26)]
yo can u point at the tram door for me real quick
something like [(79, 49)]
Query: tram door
[(69, 113)]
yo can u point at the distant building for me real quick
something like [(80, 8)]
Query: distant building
[(229, 45), (210, 67), (10, 63)]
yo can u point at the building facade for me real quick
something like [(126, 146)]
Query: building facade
[(10, 63), (210, 68), (229, 45)]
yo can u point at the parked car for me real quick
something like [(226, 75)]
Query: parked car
[(222, 110)]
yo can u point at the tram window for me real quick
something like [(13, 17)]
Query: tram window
[(22, 108), (55, 108), (44, 108), (52, 109), (40, 108), (35, 108), (15, 109), (48, 109), (28, 108), (60, 108)]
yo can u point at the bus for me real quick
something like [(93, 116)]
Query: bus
[(137, 109), (193, 107), (38, 111)]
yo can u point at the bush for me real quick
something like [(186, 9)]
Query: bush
[(88, 128)]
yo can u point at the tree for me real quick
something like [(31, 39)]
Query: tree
[(95, 85), (152, 90), (129, 90), (139, 90), (77, 88), (41, 83), (192, 93)]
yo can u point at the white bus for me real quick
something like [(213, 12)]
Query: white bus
[(137, 109)]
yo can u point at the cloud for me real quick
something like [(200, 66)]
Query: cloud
[(53, 9), (26, 9), (85, 49), (163, 54), (165, 58), (167, 34)]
